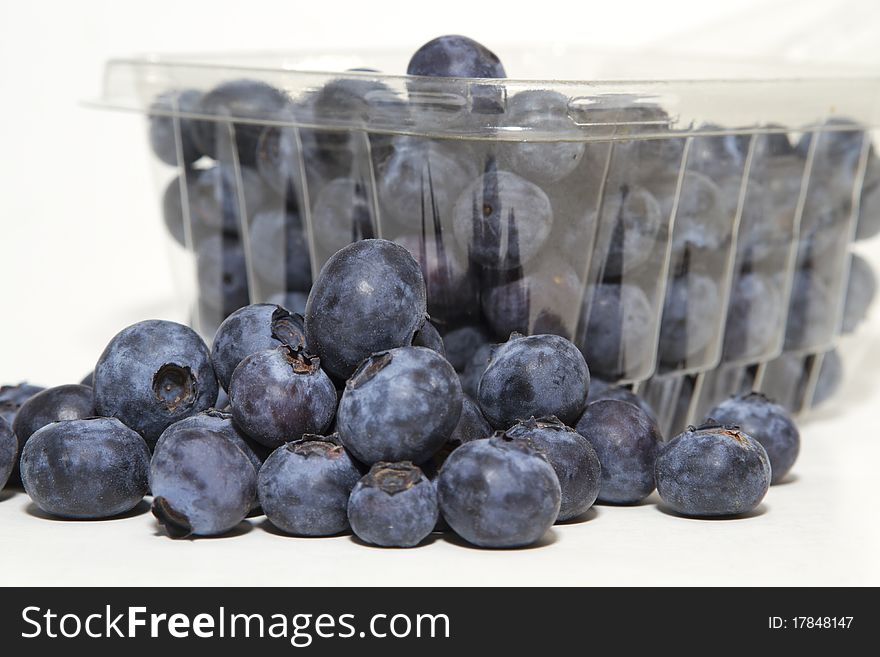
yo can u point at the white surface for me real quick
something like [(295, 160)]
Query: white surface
[(83, 255)]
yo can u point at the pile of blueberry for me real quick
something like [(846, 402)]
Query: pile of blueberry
[(447, 316), (664, 255), (352, 417)]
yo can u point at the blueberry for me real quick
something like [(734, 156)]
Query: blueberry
[(8, 451), (654, 162), (394, 505), (454, 56), (701, 219), (280, 250), (249, 330), (461, 343), (538, 375), (295, 302), (755, 317), (830, 377), (304, 487), (16, 395), (369, 297), (450, 281), (839, 142), (472, 425), (94, 468), (502, 220), (253, 101), (421, 180), (773, 144), (343, 213), (769, 209), (278, 160), (222, 273), (630, 225), (860, 292), (712, 471), (573, 459), (153, 374), (499, 493), (357, 101), (766, 422), (220, 423), (279, 394), (292, 161), (626, 115), (719, 155), (172, 211), (597, 387), (399, 405), (868, 224), (474, 368), (574, 227), (616, 330), (202, 484), (67, 402), (164, 113), (601, 390), (723, 155), (678, 411), (428, 336), (173, 215), (544, 162), (215, 198), (626, 440), (785, 380), (824, 226), (690, 313), (543, 301), (11, 399), (810, 311)]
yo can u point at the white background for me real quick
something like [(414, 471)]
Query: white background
[(83, 254)]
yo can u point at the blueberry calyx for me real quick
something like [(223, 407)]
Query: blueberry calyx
[(175, 386), (333, 438), (317, 446), (369, 368), (393, 478), (729, 430), (755, 394), (546, 422), (287, 327), (503, 440), (300, 361), (217, 413), (176, 524), (712, 423)]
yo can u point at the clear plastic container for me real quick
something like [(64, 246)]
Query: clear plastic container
[(668, 227)]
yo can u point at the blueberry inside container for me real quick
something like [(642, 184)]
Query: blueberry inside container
[(677, 230)]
